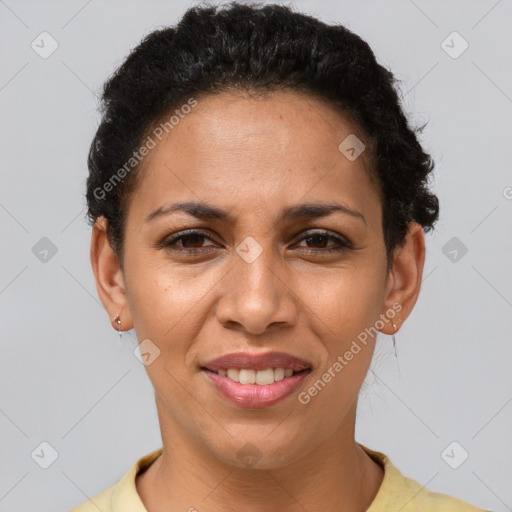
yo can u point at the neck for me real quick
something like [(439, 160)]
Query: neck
[(336, 475)]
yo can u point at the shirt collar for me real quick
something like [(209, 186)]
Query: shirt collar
[(124, 495)]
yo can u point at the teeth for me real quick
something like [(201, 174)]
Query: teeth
[(232, 374), (247, 377), (261, 377), (264, 376)]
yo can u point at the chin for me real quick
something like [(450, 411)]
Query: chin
[(261, 447)]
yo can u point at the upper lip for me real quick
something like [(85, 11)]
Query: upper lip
[(257, 361)]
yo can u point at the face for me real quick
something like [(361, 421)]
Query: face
[(261, 273)]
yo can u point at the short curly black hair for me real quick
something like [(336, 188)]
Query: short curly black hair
[(259, 48)]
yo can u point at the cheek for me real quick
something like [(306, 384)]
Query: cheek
[(345, 301), (164, 298), (166, 308), (348, 344), (345, 311)]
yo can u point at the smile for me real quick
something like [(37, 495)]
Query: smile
[(256, 381), (260, 377)]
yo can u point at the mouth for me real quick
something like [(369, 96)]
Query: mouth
[(256, 380)]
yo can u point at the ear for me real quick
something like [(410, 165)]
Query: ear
[(404, 279), (109, 277)]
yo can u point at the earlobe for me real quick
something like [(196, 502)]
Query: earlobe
[(405, 278), (109, 277)]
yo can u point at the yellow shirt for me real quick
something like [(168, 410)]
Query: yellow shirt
[(396, 493)]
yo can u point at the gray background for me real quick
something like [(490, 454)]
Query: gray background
[(67, 380)]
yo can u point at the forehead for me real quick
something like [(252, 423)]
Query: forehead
[(254, 154)]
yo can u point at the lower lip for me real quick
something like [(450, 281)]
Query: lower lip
[(255, 396)]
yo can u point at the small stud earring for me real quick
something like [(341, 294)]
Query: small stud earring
[(116, 319)]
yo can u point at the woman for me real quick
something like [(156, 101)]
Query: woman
[(258, 204)]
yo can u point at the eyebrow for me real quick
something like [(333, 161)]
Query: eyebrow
[(291, 213)]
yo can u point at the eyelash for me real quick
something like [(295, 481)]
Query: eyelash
[(342, 244)]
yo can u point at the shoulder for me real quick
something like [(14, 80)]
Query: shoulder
[(123, 495), (398, 492), (102, 501), (425, 500)]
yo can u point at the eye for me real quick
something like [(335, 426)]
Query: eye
[(320, 237), (191, 241)]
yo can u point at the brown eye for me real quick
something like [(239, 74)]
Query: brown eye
[(321, 238), (317, 239), (191, 241), (195, 239)]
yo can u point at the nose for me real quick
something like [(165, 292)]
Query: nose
[(256, 296)]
